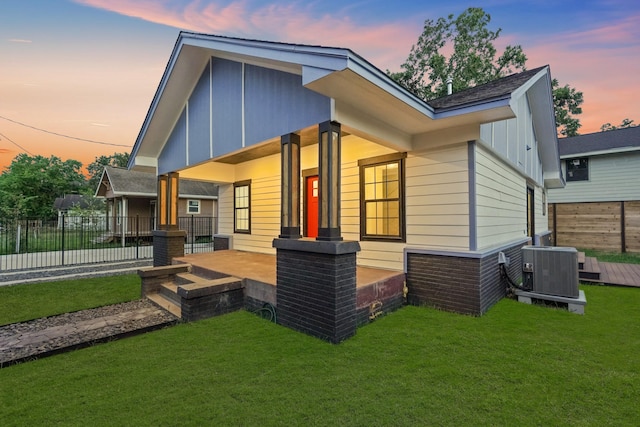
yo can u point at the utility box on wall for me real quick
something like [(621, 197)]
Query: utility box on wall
[(550, 270)]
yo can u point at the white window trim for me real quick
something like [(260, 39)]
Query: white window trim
[(189, 206)]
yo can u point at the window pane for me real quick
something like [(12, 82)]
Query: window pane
[(391, 190), (369, 191), (369, 174)]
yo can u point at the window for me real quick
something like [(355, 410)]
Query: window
[(242, 207), (193, 206), (578, 169), (382, 198)]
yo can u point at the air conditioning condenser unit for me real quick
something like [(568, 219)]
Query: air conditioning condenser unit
[(550, 270)]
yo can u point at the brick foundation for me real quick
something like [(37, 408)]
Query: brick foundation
[(379, 299), (462, 283), (316, 287), (167, 244)]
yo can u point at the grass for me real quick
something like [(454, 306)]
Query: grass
[(517, 365), (26, 302), (626, 258)]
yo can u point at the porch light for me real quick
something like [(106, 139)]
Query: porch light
[(163, 186), (168, 201), (290, 187), (172, 220), (329, 177)]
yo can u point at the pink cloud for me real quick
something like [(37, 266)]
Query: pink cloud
[(387, 45), (602, 63)]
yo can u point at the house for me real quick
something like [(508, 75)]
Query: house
[(79, 210), (323, 160), (131, 199), (600, 206)]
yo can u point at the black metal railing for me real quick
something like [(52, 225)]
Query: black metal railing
[(69, 240)]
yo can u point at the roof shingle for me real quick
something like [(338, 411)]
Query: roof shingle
[(600, 141)]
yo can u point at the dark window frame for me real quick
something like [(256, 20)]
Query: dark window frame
[(246, 183), (399, 159), (577, 172)]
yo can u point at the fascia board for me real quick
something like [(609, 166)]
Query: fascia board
[(197, 196), (104, 171), (130, 193), (474, 108), (368, 71), (601, 152), (156, 98)]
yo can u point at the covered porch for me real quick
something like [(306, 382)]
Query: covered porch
[(262, 267)]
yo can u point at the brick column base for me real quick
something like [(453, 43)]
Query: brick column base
[(316, 287), (167, 244)]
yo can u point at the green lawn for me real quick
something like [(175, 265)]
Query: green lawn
[(626, 258), (26, 302), (517, 365)]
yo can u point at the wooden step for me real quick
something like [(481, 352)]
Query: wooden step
[(590, 271), (166, 304), (208, 287), (188, 278), (581, 260), (170, 292)]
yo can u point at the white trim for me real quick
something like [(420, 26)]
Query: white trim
[(600, 152), (211, 107), (186, 132), (242, 108), (189, 206)]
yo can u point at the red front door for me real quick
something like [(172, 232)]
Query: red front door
[(311, 214)]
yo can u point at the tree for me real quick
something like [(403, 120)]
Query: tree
[(29, 186), (566, 102), (95, 168), (626, 123), (473, 61)]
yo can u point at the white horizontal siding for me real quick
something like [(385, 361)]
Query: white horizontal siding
[(501, 203), (612, 178), (437, 198)]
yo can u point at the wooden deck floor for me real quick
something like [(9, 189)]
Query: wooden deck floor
[(262, 267), (620, 274)]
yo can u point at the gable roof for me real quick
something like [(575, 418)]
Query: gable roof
[(613, 141), (359, 91), (497, 89), (126, 182)]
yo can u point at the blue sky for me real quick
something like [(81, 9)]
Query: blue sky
[(89, 68)]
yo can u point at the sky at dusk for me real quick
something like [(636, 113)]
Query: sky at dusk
[(88, 69)]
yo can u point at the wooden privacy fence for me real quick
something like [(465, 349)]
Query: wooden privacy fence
[(602, 226)]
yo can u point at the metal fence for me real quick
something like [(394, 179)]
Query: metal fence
[(70, 240)]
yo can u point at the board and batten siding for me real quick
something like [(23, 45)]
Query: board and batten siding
[(612, 178), (501, 201), (437, 198), (235, 105), (514, 140)]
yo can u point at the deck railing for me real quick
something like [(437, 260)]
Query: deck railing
[(69, 240)]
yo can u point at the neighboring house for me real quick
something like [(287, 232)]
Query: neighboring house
[(435, 189), (600, 206), (78, 209), (131, 200)]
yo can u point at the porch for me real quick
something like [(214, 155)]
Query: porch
[(378, 291), (262, 267)]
